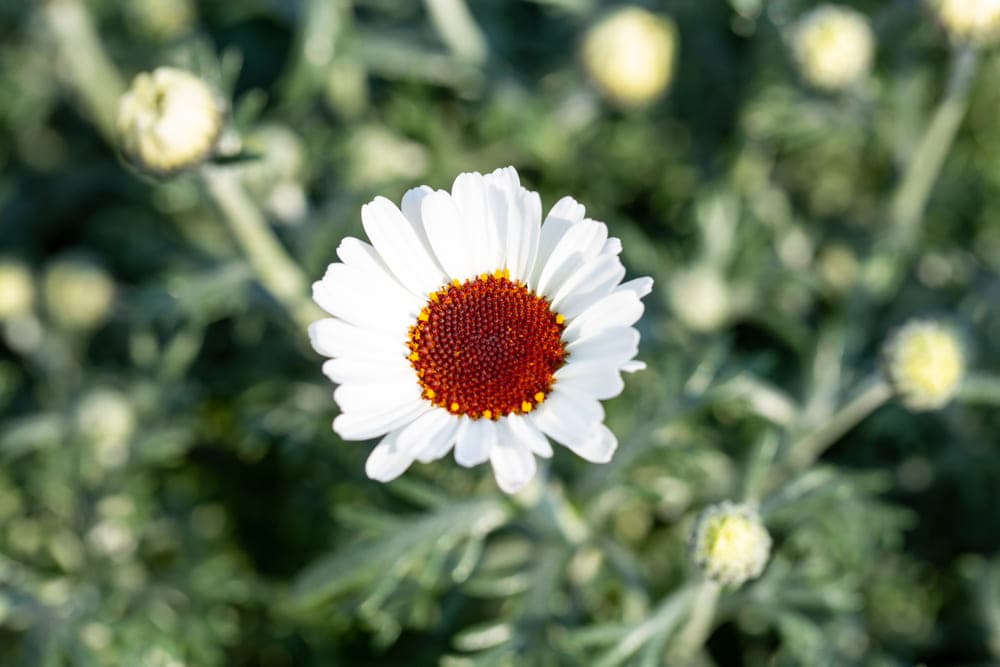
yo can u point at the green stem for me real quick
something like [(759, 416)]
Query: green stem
[(276, 271), (810, 447), (458, 30), (88, 70), (980, 388), (925, 164), (696, 631)]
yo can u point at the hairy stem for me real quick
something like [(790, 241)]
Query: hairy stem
[(925, 164), (275, 269), (696, 631), (811, 446)]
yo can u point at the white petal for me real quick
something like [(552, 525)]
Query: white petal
[(594, 378), (567, 416), (613, 246), (563, 215), (475, 442), (522, 429), (513, 466), (524, 215), (430, 436), (411, 207), (633, 366), (597, 447), (365, 298), (366, 424), (620, 309), (369, 395), (343, 370), (614, 346), (400, 247), (581, 243), (589, 284), (387, 462), (336, 338), (449, 235), (640, 286), (469, 193)]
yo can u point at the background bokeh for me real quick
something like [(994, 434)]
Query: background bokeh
[(171, 492)]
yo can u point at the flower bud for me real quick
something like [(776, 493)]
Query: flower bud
[(629, 55), (700, 298), (969, 20), (925, 365), (78, 295), (106, 418), (17, 290), (169, 120), (730, 544), (833, 46)]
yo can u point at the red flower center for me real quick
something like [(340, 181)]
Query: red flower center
[(487, 347)]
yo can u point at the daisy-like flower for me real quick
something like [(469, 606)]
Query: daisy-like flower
[(469, 324)]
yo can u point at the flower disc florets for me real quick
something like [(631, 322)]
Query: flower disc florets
[(487, 347), (925, 365), (730, 544)]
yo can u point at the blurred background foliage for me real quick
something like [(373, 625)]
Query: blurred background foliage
[(171, 492)]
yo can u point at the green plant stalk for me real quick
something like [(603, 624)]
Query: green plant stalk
[(276, 271), (696, 631), (88, 70), (980, 388), (458, 29), (807, 449), (925, 164)]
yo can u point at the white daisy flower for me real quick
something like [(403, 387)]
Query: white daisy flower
[(469, 324)]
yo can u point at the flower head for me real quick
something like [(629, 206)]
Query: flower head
[(17, 289), (925, 365), (730, 544), (169, 120), (969, 20), (629, 55), (833, 47), (468, 324), (78, 294)]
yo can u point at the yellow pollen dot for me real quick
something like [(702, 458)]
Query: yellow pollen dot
[(560, 318), (526, 406), (434, 297), (430, 393), (414, 357), (539, 397), (425, 315), (498, 274), (456, 282), (506, 274), (454, 407), (487, 414), (484, 276)]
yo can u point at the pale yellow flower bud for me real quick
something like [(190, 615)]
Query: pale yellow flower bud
[(629, 55), (925, 365), (17, 289), (834, 47), (969, 20), (105, 417), (169, 120), (78, 295), (700, 298), (730, 544)]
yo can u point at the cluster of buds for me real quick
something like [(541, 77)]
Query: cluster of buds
[(169, 120), (925, 365), (730, 544), (834, 47), (629, 55)]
